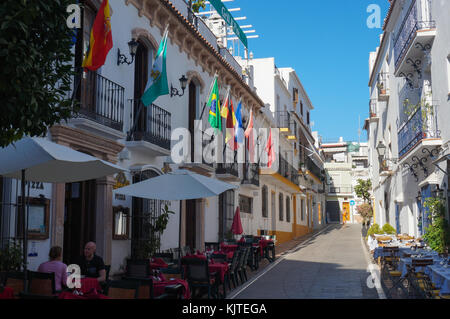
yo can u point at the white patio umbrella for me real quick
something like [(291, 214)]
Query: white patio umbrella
[(40, 160), (45, 161), (177, 185)]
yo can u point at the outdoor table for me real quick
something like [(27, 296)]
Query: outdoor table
[(158, 263), (440, 277), (263, 246), (6, 293), (89, 284), (160, 286), (228, 248), (378, 252), (228, 254), (87, 296)]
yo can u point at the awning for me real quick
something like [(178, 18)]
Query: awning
[(432, 179)]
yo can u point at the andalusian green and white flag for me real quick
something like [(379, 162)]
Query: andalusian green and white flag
[(157, 80)]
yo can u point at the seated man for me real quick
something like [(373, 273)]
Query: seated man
[(91, 265)]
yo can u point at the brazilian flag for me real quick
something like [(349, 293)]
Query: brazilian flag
[(214, 107)]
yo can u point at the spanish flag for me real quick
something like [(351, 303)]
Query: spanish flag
[(101, 39)]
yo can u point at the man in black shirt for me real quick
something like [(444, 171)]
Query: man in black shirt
[(91, 265)]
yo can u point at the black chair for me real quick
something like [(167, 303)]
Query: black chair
[(219, 258), (15, 280), (108, 270), (41, 283), (242, 266), (138, 268), (145, 290), (269, 252), (232, 269), (198, 276), (212, 246), (123, 289)]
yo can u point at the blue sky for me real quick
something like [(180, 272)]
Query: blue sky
[(328, 43)]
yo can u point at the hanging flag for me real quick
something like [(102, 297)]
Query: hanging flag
[(270, 150), (157, 81), (249, 136), (214, 107), (100, 42), (224, 111), (238, 129), (230, 124)]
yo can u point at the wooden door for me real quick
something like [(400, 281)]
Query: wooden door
[(346, 212), (140, 82), (191, 220)]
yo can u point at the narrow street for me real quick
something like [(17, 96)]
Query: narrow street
[(331, 265)]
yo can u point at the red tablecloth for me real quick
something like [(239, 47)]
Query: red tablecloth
[(158, 263), (228, 248), (8, 293), (71, 295), (200, 256), (89, 284), (220, 268), (263, 244), (158, 287)]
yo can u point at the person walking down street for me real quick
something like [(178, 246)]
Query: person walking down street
[(56, 266)]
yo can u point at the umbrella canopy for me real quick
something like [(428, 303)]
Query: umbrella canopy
[(236, 227), (178, 185), (45, 161)]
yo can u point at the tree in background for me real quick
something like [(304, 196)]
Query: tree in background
[(35, 59), (365, 211), (363, 189)]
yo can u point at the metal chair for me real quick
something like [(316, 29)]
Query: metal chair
[(232, 269), (138, 268), (15, 280), (243, 264), (198, 276), (41, 283)]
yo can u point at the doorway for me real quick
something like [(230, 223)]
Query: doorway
[(191, 223), (192, 115), (274, 212), (346, 212), (79, 218)]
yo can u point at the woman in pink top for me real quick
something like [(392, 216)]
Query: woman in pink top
[(56, 266)]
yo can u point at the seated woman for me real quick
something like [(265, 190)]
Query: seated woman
[(56, 266)]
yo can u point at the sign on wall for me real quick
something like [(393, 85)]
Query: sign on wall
[(226, 15)]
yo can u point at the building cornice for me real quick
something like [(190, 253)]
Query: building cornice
[(189, 39)]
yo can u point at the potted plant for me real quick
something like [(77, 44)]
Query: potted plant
[(381, 89), (11, 258), (437, 235)]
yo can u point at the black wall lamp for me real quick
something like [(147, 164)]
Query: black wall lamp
[(381, 150), (183, 84), (121, 58)]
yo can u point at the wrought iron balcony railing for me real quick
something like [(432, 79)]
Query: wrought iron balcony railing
[(228, 168), (101, 100), (417, 18), (153, 125), (383, 85), (287, 170), (251, 174), (422, 124), (373, 107), (313, 168), (340, 190)]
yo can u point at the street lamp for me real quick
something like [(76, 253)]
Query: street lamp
[(183, 84), (381, 149), (132, 46)]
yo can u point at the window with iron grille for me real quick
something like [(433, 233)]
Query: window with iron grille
[(280, 202), (246, 204), (288, 209), (265, 202)]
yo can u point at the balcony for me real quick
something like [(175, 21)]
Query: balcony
[(228, 172), (383, 86), (206, 166), (284, 122), (373, 109), (287, 171), (415, 38), (419, 131), (152, 130), (251, 175), (340, 190), (101, 102), (313, 168)]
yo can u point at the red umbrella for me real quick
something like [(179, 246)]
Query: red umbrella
[(236, 228)]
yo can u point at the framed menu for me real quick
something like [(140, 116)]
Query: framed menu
[(38, 210)]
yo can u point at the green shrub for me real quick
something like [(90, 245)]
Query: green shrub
[(11, 257), (388, 229), (437, 235), (374, 229)]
